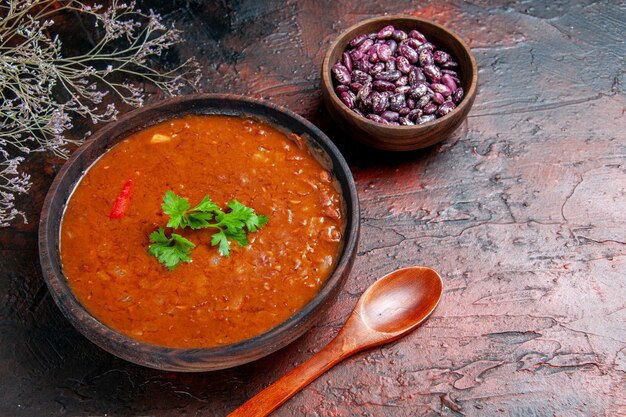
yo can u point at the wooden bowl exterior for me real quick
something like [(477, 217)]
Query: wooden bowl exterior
[(401, 138), (197, 359)]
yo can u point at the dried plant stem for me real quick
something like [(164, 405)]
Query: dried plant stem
[(41, 91)]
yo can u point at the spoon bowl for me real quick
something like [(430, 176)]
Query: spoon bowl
[(400, 301), (393, 306)]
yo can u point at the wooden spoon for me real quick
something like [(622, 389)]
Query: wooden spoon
[(390, 308)]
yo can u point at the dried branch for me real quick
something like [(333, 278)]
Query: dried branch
[(42, 91)]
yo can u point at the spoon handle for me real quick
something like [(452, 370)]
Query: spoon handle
[(286, 387)]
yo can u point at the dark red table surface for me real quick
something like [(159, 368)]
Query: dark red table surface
[(522, 211)]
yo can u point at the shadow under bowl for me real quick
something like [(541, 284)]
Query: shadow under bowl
[(194, 359), (401, 138)]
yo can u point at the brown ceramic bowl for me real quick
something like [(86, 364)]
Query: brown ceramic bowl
[(196, 359), (401, 138)]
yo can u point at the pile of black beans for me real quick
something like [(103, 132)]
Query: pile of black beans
[(397, 78)]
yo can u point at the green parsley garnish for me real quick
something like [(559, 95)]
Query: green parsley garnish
[(231, 226), (234, 225), (170, 251), (181, 215)]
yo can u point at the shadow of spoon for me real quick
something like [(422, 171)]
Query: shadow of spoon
[(389, 309)]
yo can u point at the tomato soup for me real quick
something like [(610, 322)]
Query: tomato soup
[(212, 300)]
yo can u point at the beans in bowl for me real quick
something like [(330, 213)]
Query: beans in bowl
[(201, 231), (397, 78)]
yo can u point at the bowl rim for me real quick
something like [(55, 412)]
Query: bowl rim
[(327, 77), (98, 332)]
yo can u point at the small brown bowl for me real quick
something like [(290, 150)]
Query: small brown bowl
[(194, 359), (401, 138)]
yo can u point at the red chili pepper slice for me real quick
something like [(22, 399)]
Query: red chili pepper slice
[(121, 202)]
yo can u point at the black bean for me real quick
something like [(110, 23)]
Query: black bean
[(341, 73), (445, 108), (383, 85)]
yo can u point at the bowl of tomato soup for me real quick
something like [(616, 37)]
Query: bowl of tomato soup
[(199, 233)]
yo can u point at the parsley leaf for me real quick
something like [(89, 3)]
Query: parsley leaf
[(170, 251), (246, 214), (175, 207), (221, 240), (182, 215), (231, 226), (206, 205)]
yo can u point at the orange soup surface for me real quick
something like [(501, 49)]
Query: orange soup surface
[(213, 300)]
